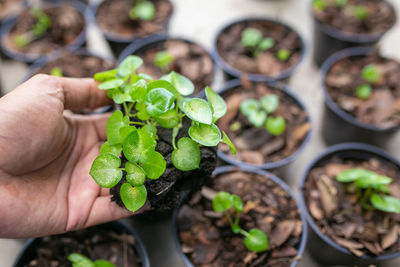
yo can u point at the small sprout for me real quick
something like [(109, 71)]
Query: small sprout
[(364, 91), (340, 3), (163, 59), (79, 260), (283, 54), (319, 5), (254, 41), (255, 240), (142, 10), (56, 71), (21, 41), (275, 125), (269, 103), (371, 188), (370, 73), (360, 12), (236, 126)]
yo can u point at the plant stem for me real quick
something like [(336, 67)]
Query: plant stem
[(229, 218), (243, 232), (125, 108), (137, 123)]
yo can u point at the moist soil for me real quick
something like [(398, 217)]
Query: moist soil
[(380, 19), (10, 7), (190, 60), (337, 213), (382, 108), (165, 193), (95, 243), (232, 51), (112, 16), (257, 145), (66, 25), (206, 236)]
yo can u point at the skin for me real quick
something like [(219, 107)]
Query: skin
[(45, 156)]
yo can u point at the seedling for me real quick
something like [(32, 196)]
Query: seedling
[(38, 29), (283, 54), (254, 41), (360, 12), (319, 5), (258, 114), (148, 104), (255, 240), (341, 3), (79, 260), (371, 189), (370, 73), (142, 10), (56, 71), (163, 59), (364, 91)]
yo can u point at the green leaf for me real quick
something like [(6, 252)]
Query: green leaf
[(198, 110), (341, 3), (56, 71), (129, 65), (222, 202), (237, 203), (226, 140), (251, 37), (138, 90), (372, 179), (151, 130), (79, 260), (350, 175), (275, 125), (270, 103), (118, 96), (103, 263), (370, 73), (163, 59), (360, 12), (111, 84), (385, 203), (249, 106), (256, 241), (158, 101), (163, 84), (182, 84), (168, 120), (153, 164), (206, 135), (144, 10), (364, 91), (115, 149), (105, 75), (114, 124), (266, 44), (217, 104), (133, 197), (105, 170), (187, 156), (135, 174), (142, 114), (137, 144), (283, 54), (257, 118), (145, 76), (125, 131)]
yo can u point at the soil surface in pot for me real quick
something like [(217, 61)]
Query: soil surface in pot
[(165, 193), (206, 236), (380, 18), (66, 25), (232, 51), (95, 243), (190, 60), (257, 145), (112, 16), (338, 214), (10, 7), (382, 108)]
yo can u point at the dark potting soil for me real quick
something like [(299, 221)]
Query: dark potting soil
[(239, 57), (257, 145), (206, 236), (380, 17), (112, 16), (165, 193), (337, 213), (382, 108), (190, 60), (10, 7), (95, 243), (66, 24), (77, 65)]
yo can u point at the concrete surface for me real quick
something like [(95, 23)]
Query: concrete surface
[(199, 20)]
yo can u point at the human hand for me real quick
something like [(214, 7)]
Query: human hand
[(45, 158)]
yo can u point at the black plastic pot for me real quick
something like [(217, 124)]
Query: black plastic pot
[(232, 73), (322, 247), (116, 42), (328, 40), (31, 246), (339, 126), (28, 58), (275, 179), (279, 166)]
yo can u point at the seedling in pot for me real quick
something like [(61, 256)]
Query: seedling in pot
[(142, 10), (255, 240), (79, 260), (148, 104), (163, 60), (56, 71), (370, 74), (259, 113), (255, 42), (283, 54), (360, 12), (371, 188)]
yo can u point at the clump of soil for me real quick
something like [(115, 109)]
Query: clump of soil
[(257, 145), (96, 243), (112, 16), (66, 25), (190, 60), (382, 108), (230, 48), (77, 65), (380, 19), (206, 236), (9, 8), (338, 214)]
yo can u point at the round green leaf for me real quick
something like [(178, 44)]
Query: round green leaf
[(163, 59), (150, 129), (153, 164), (275, 125), (206, 135), (114, 124), (237, 203), (135, 174), (198, 110), (217, 104), (111, 84), (266, 44), (103, 263), (168, 120), (249, 106), (137, 144), (251, 37), (370, 73), (257, 118), (350, 175), (187, 156), (163, 84), (105, 75), (180, 82), (158, 101), (118, 96), (79, 260), (124, 131), (138, 90), (372, 179), (141, 109), (256, 241), (133, 197), (283, 54), (364, 91), (144, 10), (105, 170), (222, 202), (115, 149), (385, 203), (269, 103), (129, 65)]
